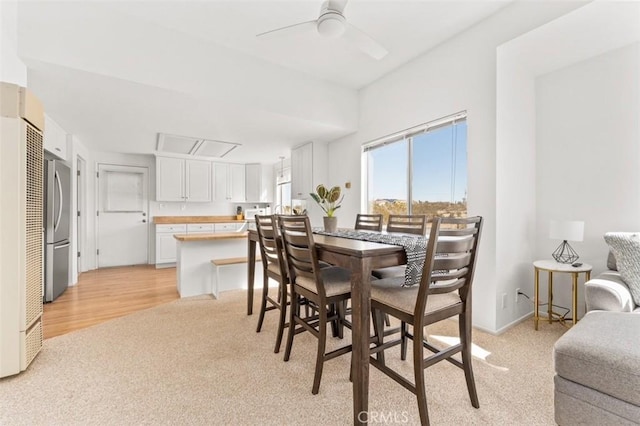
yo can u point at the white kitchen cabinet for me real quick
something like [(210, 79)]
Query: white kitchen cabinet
[(229, 182), (259, 183), (200, 228), (55, 138), (166, 244), (182, 180), (226, 227), (308, 168), (198, 183)]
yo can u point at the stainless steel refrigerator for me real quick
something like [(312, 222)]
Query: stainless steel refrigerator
[(57, 203)]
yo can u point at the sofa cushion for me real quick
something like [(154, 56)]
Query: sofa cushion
[(608, 292), (626, 249), (602, 352), (611, 262)]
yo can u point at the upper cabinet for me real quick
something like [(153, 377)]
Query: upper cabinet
[(308, 165), (229, 182), (259, 183), (182, 180), (55, 138)]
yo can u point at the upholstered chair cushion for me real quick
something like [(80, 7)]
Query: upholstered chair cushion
[(391, 292), (336, 281), (626, 249)]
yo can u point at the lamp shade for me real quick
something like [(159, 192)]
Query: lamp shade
[(569, 230)]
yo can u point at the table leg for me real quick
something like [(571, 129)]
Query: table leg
[(361, 310), (251, 272), (574, 305), (536, 296), (550, 299)]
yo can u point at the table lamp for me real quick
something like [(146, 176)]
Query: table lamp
[(566, 231)]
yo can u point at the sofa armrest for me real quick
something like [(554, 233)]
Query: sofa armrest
[(608, 292)]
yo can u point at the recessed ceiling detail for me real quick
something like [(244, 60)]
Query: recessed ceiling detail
[(186, 145)]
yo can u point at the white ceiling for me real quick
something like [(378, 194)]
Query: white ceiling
[(117, 73)]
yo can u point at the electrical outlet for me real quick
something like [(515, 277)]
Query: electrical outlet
[(517, 295), (504, 300)]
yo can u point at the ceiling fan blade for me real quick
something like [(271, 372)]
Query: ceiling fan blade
[(364, 43), (302, 27)]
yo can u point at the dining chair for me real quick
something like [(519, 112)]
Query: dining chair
[(369, 222), (444, 291), (326, 288), (274, 267), (405, 224)]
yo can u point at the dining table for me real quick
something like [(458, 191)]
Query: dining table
[(360, 257)]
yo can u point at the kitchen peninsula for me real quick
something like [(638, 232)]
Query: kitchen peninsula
[(193, 262)]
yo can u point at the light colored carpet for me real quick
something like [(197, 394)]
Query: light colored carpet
[(200, 361)]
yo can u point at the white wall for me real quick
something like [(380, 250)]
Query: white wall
[(457, 75), (12, 70), (588, 155)]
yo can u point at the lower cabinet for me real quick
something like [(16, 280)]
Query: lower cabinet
[(166, 244)]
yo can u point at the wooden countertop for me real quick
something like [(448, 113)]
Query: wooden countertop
[(196, 219), (210, 237)]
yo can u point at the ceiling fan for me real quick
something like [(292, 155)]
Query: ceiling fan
[(332, 24)]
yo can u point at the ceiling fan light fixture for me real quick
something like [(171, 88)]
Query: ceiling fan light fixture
[(331, 24)]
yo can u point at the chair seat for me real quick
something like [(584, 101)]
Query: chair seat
[(390, 272), (336, 281), (390, 292)]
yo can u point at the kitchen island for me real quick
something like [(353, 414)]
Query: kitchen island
[(194, 271)]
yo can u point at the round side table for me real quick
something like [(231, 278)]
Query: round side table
[(552, 266)]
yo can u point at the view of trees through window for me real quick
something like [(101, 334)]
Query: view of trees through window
[(424, 173)]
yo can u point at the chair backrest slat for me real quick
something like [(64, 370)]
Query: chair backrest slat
[(407, 224), (369, 222)]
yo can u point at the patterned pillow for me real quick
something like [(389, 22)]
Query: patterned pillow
[(626, 249)]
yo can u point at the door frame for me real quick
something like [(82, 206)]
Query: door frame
[(81, 215), (96, 230)]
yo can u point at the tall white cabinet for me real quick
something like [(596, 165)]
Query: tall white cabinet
[(21, 211), (308, 170)]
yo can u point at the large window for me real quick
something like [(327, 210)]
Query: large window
[(422, 170)]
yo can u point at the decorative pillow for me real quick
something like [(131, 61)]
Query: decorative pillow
[(626, 249), (611, 262)]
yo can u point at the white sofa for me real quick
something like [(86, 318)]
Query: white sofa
[(597, 362)]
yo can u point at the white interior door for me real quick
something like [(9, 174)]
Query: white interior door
[(123, 222)]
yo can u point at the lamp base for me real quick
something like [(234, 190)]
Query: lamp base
[(565, 253)]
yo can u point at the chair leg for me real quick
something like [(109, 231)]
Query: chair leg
[(418, 356), (403, 340), (282, 296), (322, 341), (293, 309), (378, 329), (342, 314), (335, 332), (263, 305), (387, 320), (464, 326)]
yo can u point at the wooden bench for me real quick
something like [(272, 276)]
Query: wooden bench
[(227, 263)]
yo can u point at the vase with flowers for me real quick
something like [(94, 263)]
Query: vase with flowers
[(329, 201)]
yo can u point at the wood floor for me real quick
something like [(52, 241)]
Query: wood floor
[(105, 294)]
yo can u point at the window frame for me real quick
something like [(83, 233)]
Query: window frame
[(403, 135)]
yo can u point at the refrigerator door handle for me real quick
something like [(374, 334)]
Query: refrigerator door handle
[(61, 246), (59, 184)]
